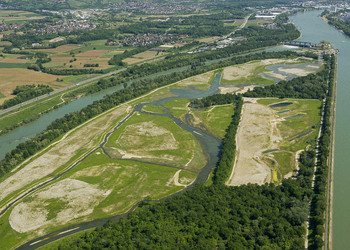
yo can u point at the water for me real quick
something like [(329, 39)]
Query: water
[(10, 140), (314, 29)]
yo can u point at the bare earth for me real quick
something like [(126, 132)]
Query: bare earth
[(61, 153), (74, 194), (245, 70), (253, 137)]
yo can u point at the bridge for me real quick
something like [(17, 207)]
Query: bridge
[(301, 44)]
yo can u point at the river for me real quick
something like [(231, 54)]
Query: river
[(314, 29)]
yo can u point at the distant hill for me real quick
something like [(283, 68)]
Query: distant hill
[(59, 4)]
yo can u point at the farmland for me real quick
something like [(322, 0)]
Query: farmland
[(18, 17)]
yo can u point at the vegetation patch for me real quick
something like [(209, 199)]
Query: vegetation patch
[(216, 118), (267, 139), (155, 139)]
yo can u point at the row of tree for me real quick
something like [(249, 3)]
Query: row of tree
[(319, 201), (24, 93)]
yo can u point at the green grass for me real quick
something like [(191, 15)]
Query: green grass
[(13, 238), (306, 126), (286, 161), (54, 206), (2, 95), (186, 177), (177, 107), (215, 119), (140, 137), (153, 108), (13, 65), (253, 78)]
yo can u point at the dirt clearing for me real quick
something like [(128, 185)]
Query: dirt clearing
[(62, 154), (58, 203), (253, 137)]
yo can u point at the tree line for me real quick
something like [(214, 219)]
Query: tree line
[(24, 93)]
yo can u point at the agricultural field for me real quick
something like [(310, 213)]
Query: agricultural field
[(144, 56), (12, 77), (18, 17), (256, 72), (270, 137)]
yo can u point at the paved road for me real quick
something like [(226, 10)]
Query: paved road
[(240, 27)]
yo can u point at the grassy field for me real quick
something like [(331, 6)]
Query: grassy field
[(144, 56), (254, 72), (177, 107), (12, 77), (157, 140), (215, 119), (13, 16), (269, 138)]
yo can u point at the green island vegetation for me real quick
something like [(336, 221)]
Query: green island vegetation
[(137, 88), (155, 139)]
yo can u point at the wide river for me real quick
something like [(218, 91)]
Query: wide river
[(314, 29)]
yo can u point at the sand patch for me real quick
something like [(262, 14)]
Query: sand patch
[(247, 69), (253, 137), (85, 138), (244, 70), (77, 197), (147, 136), (295, 71), (236, 90)]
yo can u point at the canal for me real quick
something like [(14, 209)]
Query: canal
[(314, 29)]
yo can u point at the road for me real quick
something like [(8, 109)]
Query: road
[(240, 27)]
